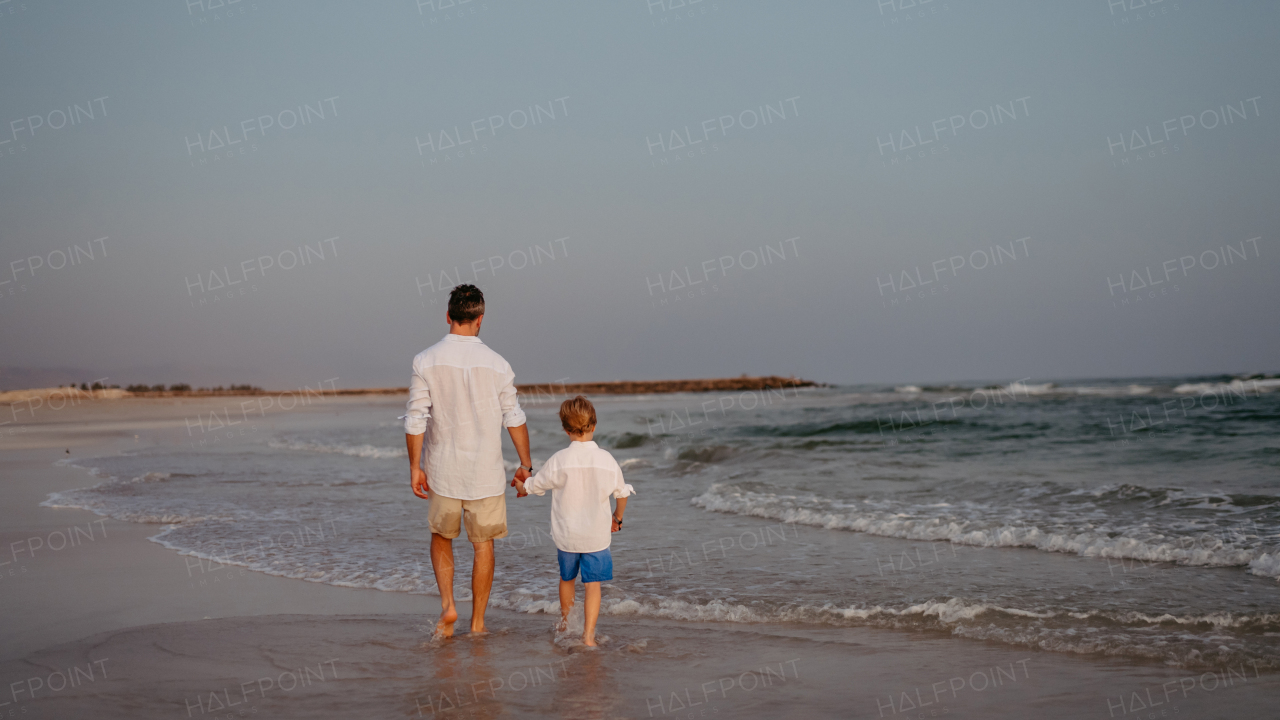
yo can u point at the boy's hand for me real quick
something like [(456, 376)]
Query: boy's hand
[(520, 492)]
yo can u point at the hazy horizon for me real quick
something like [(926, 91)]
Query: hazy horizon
[(279, 193)]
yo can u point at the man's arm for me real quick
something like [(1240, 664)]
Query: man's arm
[(417, 476), (520, 438), (513, 421), (417, 413)]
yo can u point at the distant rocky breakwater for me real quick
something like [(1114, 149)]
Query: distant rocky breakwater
[(535, 390)]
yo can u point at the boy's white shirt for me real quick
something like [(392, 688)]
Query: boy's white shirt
[(583, 477)]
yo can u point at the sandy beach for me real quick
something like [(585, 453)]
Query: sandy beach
[(108, 624)]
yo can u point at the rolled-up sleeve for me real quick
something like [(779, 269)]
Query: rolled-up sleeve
[(418, 409), (508, 398), (622, 489)]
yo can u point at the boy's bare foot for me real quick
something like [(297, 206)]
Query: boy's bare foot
[(564, 624), (444, 628), (589, 641)]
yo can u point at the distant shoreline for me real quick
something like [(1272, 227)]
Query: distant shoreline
[(618, 387)]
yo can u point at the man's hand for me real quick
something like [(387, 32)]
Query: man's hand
[(418, 479), (520, 491), (615, 526), (521, 475)]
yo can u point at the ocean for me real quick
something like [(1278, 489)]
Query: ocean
[(1133, 518)]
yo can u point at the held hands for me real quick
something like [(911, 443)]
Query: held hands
[(418, 480), (518, 482)]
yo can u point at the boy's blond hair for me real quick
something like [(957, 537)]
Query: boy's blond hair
[(577, 416)]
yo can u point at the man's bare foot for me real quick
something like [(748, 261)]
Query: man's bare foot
[(448, 617), (564, 624), (478, 628)]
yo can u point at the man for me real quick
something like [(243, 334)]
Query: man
[(461, 395)]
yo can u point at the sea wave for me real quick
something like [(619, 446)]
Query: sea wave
[(1021, 389), (944, 523), (1193, 640), (1236, 387), (364, 451)]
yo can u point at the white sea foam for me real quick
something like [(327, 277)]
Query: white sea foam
[(1109, 391), (1266, 565), (1047, 629), (916, 523), (1237, 387), (364, 451), (1019, 388)]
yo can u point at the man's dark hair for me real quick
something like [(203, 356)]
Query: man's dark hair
[(466, 303)]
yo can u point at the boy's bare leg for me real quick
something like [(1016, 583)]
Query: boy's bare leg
[(481, 584), (442, 564), (591, 608), (566, 604)]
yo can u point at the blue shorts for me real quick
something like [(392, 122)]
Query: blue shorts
[(596, 566)]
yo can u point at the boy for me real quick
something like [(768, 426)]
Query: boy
[(583, 476)]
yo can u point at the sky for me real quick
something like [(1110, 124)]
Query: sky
[(871, 191)]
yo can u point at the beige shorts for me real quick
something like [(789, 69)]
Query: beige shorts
[(486, 519)]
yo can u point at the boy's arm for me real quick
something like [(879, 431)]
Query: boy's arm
[(545, 480), (621, 491), (617, 514)]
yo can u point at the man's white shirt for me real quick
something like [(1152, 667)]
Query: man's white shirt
[(461, 395), (583, 477)]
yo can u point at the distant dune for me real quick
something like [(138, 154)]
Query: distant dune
[(61, 394)]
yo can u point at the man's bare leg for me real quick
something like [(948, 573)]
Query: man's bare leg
[(591, 610), (442, 564), (566, 604), (481, 584)]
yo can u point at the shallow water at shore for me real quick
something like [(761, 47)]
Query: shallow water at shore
[(1037, 517)]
